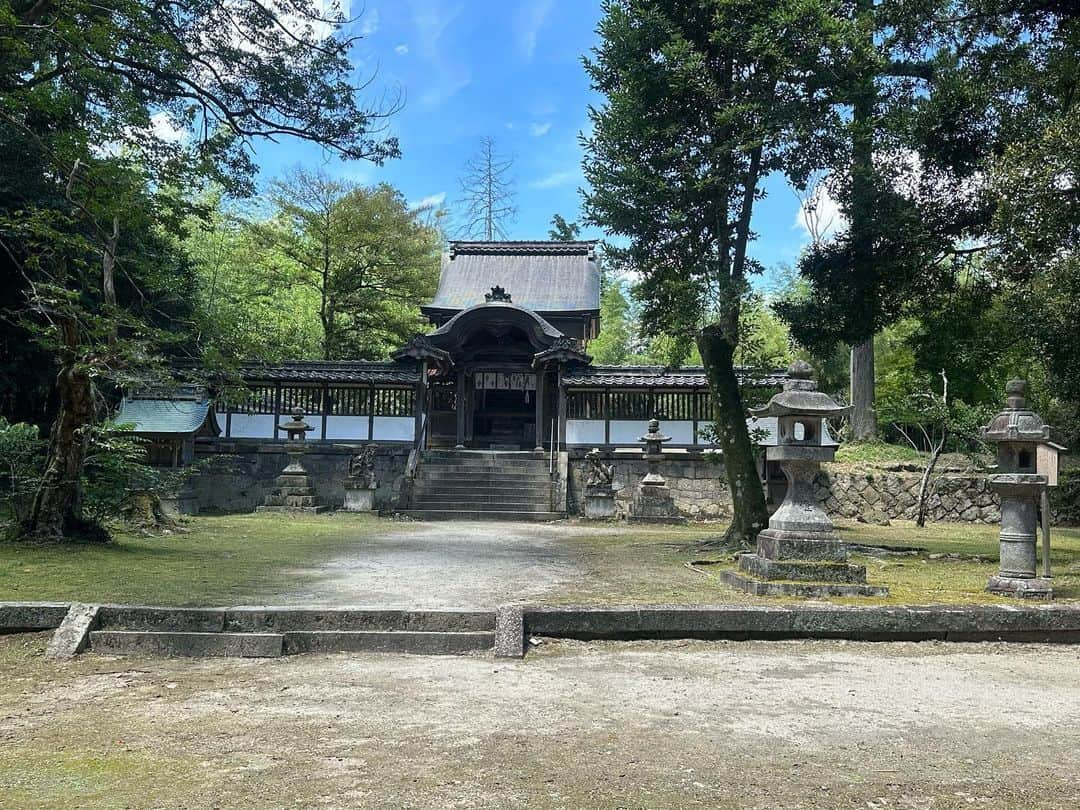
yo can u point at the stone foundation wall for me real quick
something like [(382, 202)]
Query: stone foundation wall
[(877, 496), (697, 484), (237, 475)]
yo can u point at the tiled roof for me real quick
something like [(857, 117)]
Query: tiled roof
[(658, 376), (523, 247), (163, 415), (318, 371), (541, 276)]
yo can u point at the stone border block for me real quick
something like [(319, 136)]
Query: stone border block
[(509, 632), (19, 617), (162, 619), (416, 643), (187, 645), (1047, 624), (73, 634)]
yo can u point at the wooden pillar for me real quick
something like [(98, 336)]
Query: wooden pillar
[(561, 439), (420, 407), (540, 409), (371, 414), (325, 409), (607, 417), (277, 408), (459, 400)]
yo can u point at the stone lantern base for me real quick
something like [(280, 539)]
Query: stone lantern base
[(1025, 588), (791, 565), (653, 503), (293, 491)]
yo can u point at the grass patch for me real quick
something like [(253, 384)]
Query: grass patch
[(217, 561), (649, 567), (861, 452)]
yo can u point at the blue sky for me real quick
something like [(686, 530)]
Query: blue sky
[(508, 69)]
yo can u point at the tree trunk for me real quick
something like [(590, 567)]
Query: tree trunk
[(864, 406), (924, 484), (57, 509), (749, 515)]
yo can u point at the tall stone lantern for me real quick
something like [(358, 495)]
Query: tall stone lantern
[(1018, 431), (293, 490), (800, 552), (652, 502)]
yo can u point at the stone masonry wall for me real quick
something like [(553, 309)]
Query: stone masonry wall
[(237, 475), (697, 484), (878, 495)]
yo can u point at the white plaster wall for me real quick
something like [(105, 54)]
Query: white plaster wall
[(347, 427), (589, 432), (393, 428), (625, 431), (252, 426)]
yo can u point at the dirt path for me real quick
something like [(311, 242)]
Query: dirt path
[(647, 725), (432, 565)]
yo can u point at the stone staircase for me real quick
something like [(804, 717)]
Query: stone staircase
[(482, 485), (272, 632)]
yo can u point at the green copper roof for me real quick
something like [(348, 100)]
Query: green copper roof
[(163, 415)]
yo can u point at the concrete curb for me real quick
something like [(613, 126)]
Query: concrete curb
[(22, 617), (1051, 623)]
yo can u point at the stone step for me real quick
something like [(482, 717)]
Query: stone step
[(506, 462), (469, 476), (183, 644), (476, 505), (419, 643), (427, 489), (497, 455), (304, 510), (448, 514), (279, 620)]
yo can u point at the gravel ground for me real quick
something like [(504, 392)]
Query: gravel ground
[(456, 565), (602, 725)]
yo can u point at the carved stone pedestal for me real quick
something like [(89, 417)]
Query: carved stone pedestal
[(599, 505), (359, 499)]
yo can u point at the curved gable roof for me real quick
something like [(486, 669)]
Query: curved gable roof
[(541, 276)]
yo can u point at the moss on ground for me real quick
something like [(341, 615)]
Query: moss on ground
[(214, 561)]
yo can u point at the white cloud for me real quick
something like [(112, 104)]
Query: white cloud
[(369, 23), (540, 130), (401, 49), (556, 179), (430, 201), (530, 22), (819, 214), (446, 77), (163, 128)]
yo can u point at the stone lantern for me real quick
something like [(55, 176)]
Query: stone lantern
[(1018, 432), (652, 502), (293, 491), (800, 552)]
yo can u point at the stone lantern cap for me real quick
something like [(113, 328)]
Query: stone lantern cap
[(800, 397), (297, 427), (654, 438), (1016, 423)]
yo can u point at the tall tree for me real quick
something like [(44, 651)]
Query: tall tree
[(924, 96), (701, 97), (563, 231), (487, 188), (118, 102), (367, 257)]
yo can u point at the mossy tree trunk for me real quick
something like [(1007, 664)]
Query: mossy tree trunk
[(740, 465)]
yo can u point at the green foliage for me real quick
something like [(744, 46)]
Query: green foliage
[(563, 231), (360, 255), (613, 345), (22, 453), (877, 452)]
